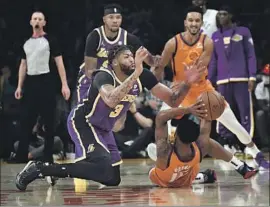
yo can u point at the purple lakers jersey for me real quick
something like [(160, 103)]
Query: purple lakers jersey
[(105, 45), (102, 116), (102, 58)]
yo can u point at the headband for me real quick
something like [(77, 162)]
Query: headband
[(112, 11)]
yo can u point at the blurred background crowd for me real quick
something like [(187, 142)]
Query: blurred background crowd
[(154, 22)]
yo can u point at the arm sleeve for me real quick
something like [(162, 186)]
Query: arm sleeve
[(250, 54), (91, 45), (102, 78), (134, 42), (54, 47), (148, 79)]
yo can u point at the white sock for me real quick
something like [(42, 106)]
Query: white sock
[(229, 120), (199, 179), (236, 162), (253, 151)]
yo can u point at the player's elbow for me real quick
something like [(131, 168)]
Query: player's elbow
[(173, 104), (111, 104), (109, 101)]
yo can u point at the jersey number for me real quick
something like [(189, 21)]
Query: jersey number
[(179, 172), (117, 111)]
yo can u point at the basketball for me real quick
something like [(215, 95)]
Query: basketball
[(214, 103)]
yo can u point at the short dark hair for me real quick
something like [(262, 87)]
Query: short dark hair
[(194, 9), (115, 51), (188, 129)]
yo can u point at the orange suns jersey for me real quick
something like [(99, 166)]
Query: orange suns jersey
[(185, 55), (178, 173)]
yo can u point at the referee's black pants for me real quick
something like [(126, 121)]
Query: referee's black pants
[(39, 98)]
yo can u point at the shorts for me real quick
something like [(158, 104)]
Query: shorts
[(91, 142), (83, 84)]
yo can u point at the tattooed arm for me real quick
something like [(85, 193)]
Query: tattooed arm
[(165, 58), (162, 142), (161, 134), (135, 43), (112, 96), (173, 97)]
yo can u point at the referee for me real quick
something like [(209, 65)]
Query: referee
[(39, 86)]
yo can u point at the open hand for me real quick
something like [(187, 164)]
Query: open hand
[(140, 56), (194, 72), (198, 109)]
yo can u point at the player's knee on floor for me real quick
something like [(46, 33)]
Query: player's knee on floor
[(115, 181), (115, 178), (111, 176)]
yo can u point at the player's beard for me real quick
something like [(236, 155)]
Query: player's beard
[(193, 33), (127, 70), (114, 30)]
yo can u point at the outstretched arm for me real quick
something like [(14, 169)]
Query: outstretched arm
[(162, 142), (165, 58), (174, 96), (135, 43)]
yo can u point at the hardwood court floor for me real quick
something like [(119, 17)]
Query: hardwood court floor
[(136, 189)]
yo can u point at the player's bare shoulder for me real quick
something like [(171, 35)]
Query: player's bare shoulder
[(171, 45), (208, 42), (208, 45)]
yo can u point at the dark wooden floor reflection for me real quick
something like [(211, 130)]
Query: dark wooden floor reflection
[(136, 189)]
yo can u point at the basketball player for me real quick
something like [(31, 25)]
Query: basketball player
[(99, 42), (90, 124), (178, 159), (209, 18), (184, 49)]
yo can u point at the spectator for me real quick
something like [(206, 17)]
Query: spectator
[(9, 110), (155, 103), (137, 134), (233, 69), (262, 93)]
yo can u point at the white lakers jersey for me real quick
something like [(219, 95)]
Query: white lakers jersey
[(209, 22)]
